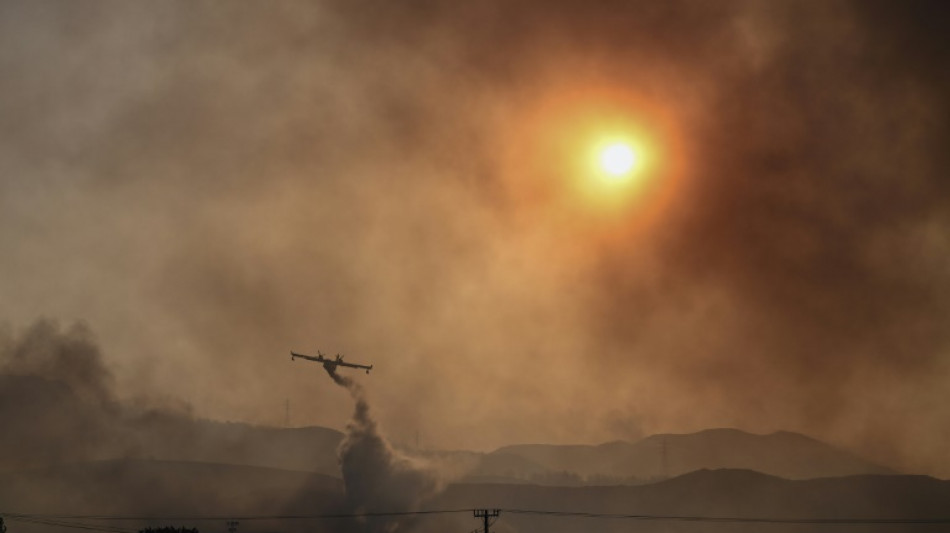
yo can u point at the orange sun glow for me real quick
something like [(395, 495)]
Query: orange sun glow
[(601, 155)]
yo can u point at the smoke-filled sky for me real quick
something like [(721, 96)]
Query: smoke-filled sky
[(208, 185)]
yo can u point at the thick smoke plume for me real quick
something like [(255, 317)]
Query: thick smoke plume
[(377, 477), (59, 405), (52, 385)]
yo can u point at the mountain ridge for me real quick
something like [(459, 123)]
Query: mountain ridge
[(783, 453), (140, 487)]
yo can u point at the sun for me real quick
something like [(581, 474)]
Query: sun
[(618, 160), (609, 154)]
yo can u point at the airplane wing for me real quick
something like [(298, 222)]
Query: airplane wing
[(355, 365), (294, 355), (334, 362)]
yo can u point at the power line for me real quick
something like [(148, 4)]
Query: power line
[(74, 525), (731, 519), (59, 521), (534, 512), (64, 524), (237, 517)]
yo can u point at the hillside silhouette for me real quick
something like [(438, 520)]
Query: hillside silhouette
[(313, 449), (104, 429), (149, 488), (162, 488), (783, 454)]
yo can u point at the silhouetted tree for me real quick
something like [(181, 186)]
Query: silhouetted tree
[(166, 529)]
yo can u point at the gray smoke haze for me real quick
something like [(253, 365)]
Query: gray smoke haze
[(210, 183), (58, 404), (379, 479), (56, 399)]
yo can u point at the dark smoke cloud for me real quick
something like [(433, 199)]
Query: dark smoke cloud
[(56, 400), (379, 479), (211, 184), (58, 404)]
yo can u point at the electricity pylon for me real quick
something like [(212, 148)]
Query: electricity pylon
[(485, 514)]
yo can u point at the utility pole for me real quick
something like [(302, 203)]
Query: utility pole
[(485, 514)]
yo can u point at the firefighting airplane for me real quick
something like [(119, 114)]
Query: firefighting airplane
[(330, 364)]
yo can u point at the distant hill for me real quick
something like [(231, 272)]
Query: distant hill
[(307, 449), (478, 467), (313, 449), (166, 489), (48, 422), (714, 493), (146, 488), (784, 454)]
